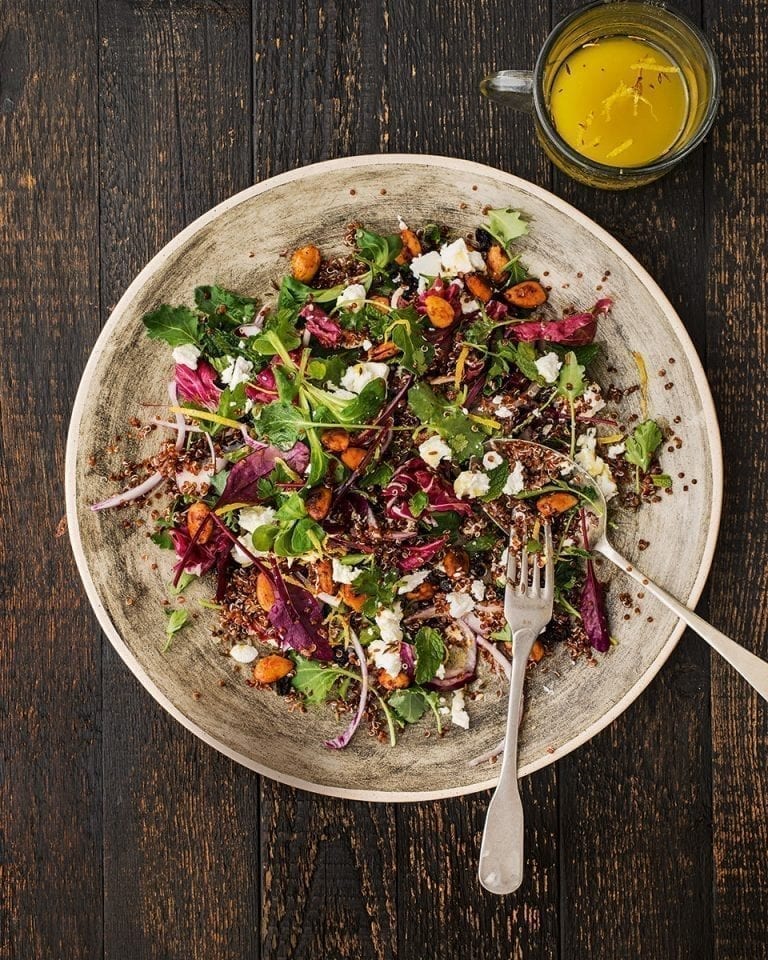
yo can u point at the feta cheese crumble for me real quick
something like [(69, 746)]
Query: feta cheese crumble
[(384, 658), (459, 604), (549, 366), (342, 573), (412, 580), (471, 485), (592, 399), (388, 622), (459, 715), (594, 465), (454, 257), (352, 297), (616, 449), (515, 481), (427, 265), (359, 375), (478, 590), (433, 450), (237, 371), (187, 355), (252, 517)]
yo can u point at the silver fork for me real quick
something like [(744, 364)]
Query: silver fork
[(528, 609)]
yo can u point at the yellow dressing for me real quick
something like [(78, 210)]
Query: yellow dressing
[(620, 101)]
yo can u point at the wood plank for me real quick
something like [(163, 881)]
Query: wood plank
[(50, 713), (642, 789), (181, 821), (433, 106), (329, 886), (737, 304)]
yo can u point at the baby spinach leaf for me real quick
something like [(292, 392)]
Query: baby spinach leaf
[(317, 681), (376, 250), (506, 225), (225, 308)]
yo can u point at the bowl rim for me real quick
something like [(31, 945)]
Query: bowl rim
[(297, 174)]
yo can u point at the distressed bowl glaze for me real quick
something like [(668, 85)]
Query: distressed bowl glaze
[(238, 245)]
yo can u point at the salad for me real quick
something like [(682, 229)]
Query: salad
[(331, 468)]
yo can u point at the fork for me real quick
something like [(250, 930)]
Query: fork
[(527, 609)]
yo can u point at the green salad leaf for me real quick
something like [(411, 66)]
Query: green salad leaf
[(430, 653), (506, 226), (177, 326), (643, 443), (463, 435), (224, 307)]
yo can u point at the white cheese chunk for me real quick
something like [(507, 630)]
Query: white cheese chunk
[(433, 450), (471, 485), (549, 366), (342, 573), (459, 604), (454, 257), (459, 715), (491, 460), (243, 653), (411, 581), (427, 265), (187, 355), (515, 481), (238, 370), (352, 297), (478, 590), (388, 622), (359, 375)]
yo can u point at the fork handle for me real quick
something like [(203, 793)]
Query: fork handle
[(501, 851), (752, 668)]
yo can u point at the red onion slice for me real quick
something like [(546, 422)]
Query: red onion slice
[(128, 495), (338, 743), (497, 655), (181, 424)]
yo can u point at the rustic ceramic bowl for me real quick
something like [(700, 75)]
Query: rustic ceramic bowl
[(238, 244)]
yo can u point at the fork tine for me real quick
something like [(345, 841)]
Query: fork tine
[(511, 566), (549, 582), (523, 588)]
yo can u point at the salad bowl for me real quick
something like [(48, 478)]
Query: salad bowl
[(239, 245)]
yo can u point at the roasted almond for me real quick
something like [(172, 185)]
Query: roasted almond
[(318, 502), (439, 311), (324, 569), (335, 439), (479, 287), (389, 682), (305, 262), (199, 519), (265, 592), (271, 668), (537, 651), (353, 457), (526, 295), (424, 591)]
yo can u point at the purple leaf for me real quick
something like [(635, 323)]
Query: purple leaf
[(326, 331), (413, 476), (593, 612), (198, 386), (297, 617), (197, 558), (243, 479), (338, 743), (263, 389), (576, 330), (414, 557)]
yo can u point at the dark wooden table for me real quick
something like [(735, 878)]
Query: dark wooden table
[(120, 834)]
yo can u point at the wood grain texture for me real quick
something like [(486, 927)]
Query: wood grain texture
[(199, 860), (50, 705), (643, 785), (737, 305), (181, 822), (433, 106)]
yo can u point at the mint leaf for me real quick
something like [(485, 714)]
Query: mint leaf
[(497, 478), (430, 653), (643, 443), (175, 325), (524, 358)]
